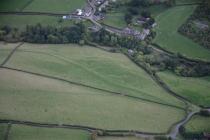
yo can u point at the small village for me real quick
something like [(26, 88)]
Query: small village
[(89, 12)]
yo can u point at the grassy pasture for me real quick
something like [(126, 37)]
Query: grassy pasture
[(59, 102), (13, 5), (3, 129), (198, 124), (21, 132), (90, 66), (56, 6), (195, 89), (168, 37), (5, 49), (21, 21), (115, 19)]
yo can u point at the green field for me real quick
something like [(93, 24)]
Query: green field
[(13, 5), (59, 102), (5, 49), (195, 89), (198, 124), (115, 19), (3, 129), (56, 6), (90, 66), (20, 21), (20, 132), (168, 37)]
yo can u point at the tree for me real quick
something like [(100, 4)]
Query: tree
[(170, 2), (128, 18), (53, 39), (133, 10), (2, 33), (7, 29), (137, 3), (208, 2), (146, 14), (49, 34)]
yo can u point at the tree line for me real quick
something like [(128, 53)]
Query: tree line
[(44, 34)]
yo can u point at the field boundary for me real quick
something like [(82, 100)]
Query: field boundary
[(102, 132), (103, 48), (189, 4), (11, 53), (9, 126), (33, 13), (99, 89)]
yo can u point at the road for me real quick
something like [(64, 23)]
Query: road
[(175, 130)]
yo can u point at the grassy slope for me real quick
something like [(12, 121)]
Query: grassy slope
[(5, 49), (93, 67), (57, 6), (195, 89), (168, 37), (3, 128), (13, 5), (21, 21), (58, 102), (20, 132), (198, 124)]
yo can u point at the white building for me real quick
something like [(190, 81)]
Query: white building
[(64, 17), (79, 12)]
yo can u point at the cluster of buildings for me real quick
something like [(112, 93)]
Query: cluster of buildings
[(86, 11), (202, 25), (135, 33), (98, 2), (143, 20)]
